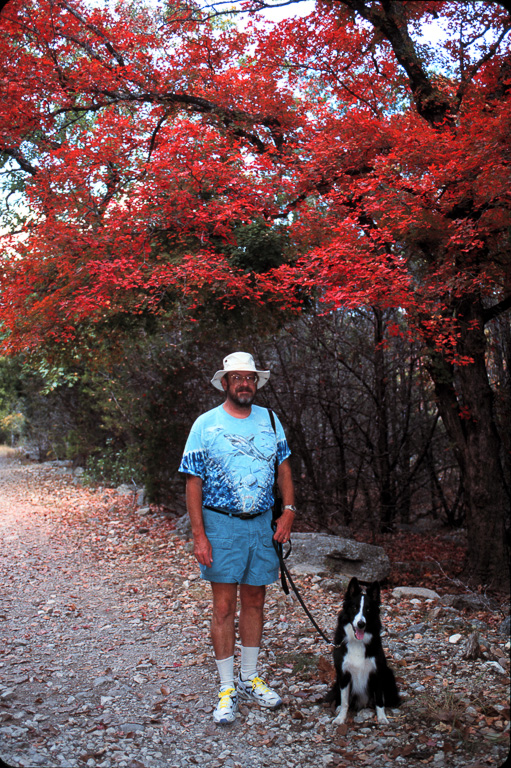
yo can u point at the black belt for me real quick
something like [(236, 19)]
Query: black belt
[(241, 515)]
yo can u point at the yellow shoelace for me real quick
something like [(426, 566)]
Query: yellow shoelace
[(223, 696), (259, 684)]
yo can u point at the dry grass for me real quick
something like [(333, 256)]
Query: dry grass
[(5, 451), (443, 706)]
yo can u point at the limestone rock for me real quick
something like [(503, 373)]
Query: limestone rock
[(336, 556), (427, 594), (466, 602), (184, 528)]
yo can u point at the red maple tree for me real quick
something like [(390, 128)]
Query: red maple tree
[(140, 140)]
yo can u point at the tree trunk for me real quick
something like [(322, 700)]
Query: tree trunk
[(387, 497), (465, 401)]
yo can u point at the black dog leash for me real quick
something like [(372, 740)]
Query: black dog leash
[(284, 573), (285, 576)]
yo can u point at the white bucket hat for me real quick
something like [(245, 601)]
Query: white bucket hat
[(239, 361)]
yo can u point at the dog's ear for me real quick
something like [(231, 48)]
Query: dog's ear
[(354, 587), (373, 592)]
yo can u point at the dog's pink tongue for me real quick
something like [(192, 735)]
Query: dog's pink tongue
[(359, 634)]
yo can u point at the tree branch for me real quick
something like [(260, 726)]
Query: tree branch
[(230, 118), (498, 309), (478, 64), (389, 18), (92, 27), (23, 164)]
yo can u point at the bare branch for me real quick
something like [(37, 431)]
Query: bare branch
[(92, 27), (231, 119), (497, 309), (389, 19), (152, 142), (490, 53), (24, 164)]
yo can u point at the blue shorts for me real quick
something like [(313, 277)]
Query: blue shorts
[(243, 551)]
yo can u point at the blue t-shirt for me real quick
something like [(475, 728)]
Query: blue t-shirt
[(235, 458)]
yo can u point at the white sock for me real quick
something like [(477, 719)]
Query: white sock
[(249, 662), (226, 671)]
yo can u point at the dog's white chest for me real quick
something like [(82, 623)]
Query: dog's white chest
[(358, 665)]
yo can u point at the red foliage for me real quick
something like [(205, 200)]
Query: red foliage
[(145, 141)]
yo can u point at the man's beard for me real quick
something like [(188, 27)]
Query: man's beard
[(242, 399)]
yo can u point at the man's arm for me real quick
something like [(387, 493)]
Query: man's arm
[(287, 492), (201, 545)]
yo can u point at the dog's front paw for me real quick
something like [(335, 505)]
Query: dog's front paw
[(382, 717), (340, 716)]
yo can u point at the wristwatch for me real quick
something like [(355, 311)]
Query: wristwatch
[(291, 507)]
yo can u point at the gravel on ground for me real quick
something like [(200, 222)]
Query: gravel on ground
[(105, 657)]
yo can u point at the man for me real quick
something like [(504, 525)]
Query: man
[(229, 459)]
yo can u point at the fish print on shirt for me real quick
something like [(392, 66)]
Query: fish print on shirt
[(237, 467)]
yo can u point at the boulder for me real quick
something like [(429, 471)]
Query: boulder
[(505, 627), (427, 594), (138, 492), (467, 602), (326, 555), (184, 527), (140, 496), (124, 489)]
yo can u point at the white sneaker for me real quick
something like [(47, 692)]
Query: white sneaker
[(256, 690), (227, 707)]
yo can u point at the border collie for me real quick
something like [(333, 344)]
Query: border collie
[(363, 677)]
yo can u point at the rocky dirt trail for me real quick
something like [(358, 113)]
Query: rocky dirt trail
[(105, 658)]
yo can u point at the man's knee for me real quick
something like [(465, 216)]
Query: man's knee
[(224, 601), (223, 611), (252, 597)]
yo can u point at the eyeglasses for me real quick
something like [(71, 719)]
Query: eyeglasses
[(251, 378)]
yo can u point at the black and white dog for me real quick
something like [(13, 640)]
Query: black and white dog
[(363, 676)]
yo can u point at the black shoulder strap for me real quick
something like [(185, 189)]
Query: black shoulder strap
[(277, 504), (272, 420)]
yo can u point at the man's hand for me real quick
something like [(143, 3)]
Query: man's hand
[(202, 550), (284, 526)]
